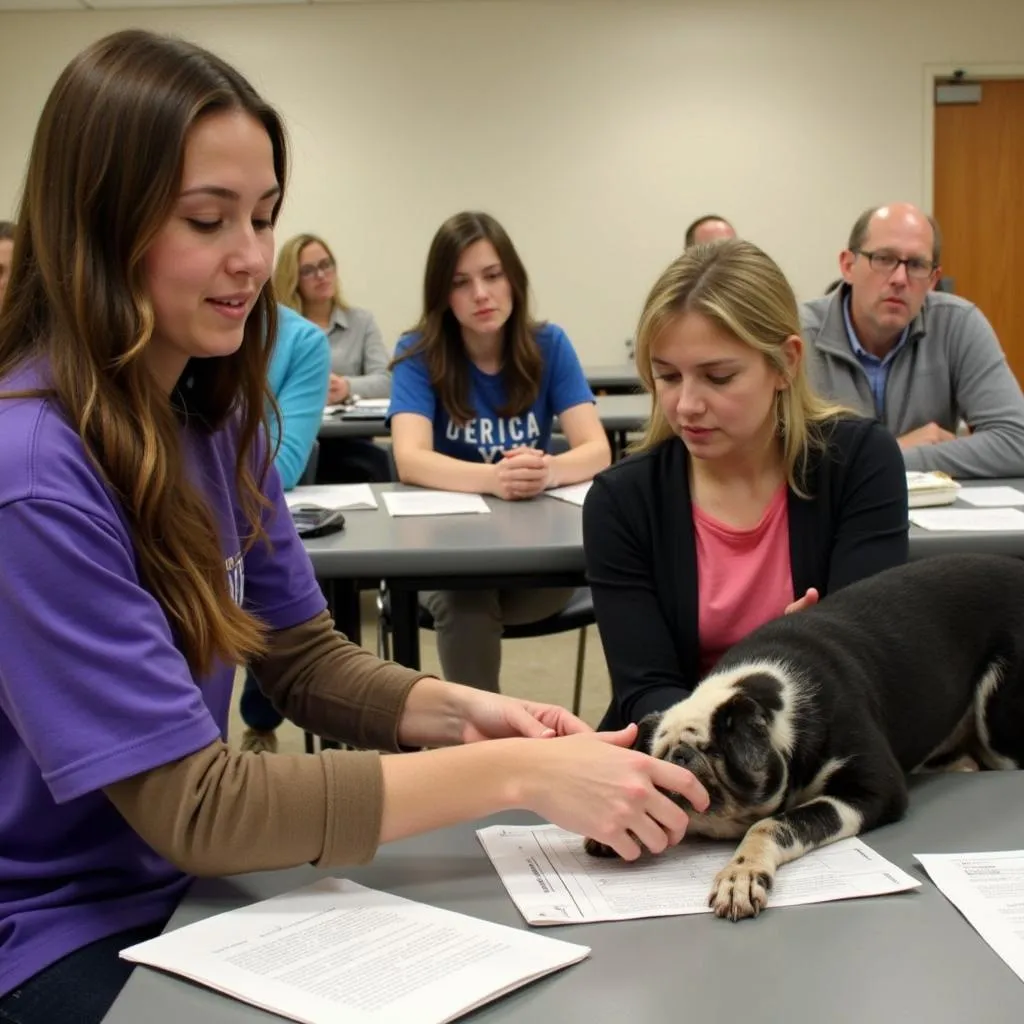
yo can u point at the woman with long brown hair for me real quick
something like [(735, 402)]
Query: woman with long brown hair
[(476, 386), (147, 551)]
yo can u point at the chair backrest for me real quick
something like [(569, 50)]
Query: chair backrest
[(309, 473)]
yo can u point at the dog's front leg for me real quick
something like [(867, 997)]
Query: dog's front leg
[(741, 888)]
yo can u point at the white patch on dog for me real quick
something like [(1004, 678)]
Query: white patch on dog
[(987, 685), (690, 719)]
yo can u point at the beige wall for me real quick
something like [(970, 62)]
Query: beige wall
[(594, 131)]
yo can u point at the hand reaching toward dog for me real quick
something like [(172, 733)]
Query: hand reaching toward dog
[(810, 598), (596, 786)]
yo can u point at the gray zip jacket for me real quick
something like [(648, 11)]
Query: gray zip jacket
[(951, 367)]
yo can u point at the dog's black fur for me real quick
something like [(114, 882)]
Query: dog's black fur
[(806, 729)]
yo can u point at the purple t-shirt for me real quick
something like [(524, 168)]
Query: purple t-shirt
[(93, 688)]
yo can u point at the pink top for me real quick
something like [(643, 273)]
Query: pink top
[(744, 577)]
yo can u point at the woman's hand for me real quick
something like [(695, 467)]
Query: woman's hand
[(591, 785), (809, 599), (522, 473), (337, 389), (440, 714), (492, 716)]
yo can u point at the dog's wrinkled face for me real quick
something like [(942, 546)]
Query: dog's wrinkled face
[(732, 732)]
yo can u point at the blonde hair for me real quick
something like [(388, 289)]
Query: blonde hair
[(737, 286), (286, 273)]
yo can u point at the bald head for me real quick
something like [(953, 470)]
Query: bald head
[(902, 218), (709, 228)]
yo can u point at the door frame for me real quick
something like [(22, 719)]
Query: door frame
[(976, 72)]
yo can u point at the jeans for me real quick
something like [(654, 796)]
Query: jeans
[(78, 989)]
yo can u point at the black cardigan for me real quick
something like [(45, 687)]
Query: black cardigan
[(641, 554)]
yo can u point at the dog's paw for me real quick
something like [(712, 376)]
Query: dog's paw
[(740, 890), (596, 849)]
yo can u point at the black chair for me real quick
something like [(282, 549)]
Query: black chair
[(577, 614)]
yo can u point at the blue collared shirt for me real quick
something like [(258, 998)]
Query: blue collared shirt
[(876, 369)]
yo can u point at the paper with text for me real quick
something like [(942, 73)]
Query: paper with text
[(573, 493), (336, 951), (992, 497), (332, 496), (988, 889), (1010, 520), (433, 503), (553, 880)]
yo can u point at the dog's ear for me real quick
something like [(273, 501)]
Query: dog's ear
[(740, 728), (647, 727)]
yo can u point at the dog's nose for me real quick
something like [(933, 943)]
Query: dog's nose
[(684, 754)]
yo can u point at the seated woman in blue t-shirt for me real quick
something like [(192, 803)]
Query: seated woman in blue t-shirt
[(475, 387)]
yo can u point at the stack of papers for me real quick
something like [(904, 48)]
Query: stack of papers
[(331, 496), (336, 951), (988, 889), (433, 503), (553, 880), (924, 489), (573, 493)]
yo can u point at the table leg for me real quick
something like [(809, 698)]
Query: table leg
[(343, 603), (405, 624)]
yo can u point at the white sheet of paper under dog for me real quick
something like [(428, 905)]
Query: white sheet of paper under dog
[(988, 889), (337, 951), (999, 520), (553, 880)]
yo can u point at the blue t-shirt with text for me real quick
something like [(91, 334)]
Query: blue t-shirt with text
[(488, 433)]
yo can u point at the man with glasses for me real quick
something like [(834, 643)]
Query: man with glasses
[(887, 345)]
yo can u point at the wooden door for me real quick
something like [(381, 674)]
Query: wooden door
[(979, 204)]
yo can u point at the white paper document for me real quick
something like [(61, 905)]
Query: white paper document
[(1010, 520), (988, 889), (332, 496), (992, 497), (553, 880), (573, 493), (380, 404), (336, 951), (433, 503)]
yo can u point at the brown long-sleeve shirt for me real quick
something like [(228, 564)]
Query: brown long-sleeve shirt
[(220, 811)]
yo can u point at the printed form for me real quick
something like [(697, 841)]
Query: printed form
[(336, 951), (988, 889), (553, 880)]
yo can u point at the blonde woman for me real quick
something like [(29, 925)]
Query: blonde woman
[(306, 280), (748, 496)]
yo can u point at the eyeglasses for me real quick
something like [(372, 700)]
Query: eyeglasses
[(324, 267), (886, 263)]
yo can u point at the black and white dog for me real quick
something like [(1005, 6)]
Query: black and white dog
[(806, 729)]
